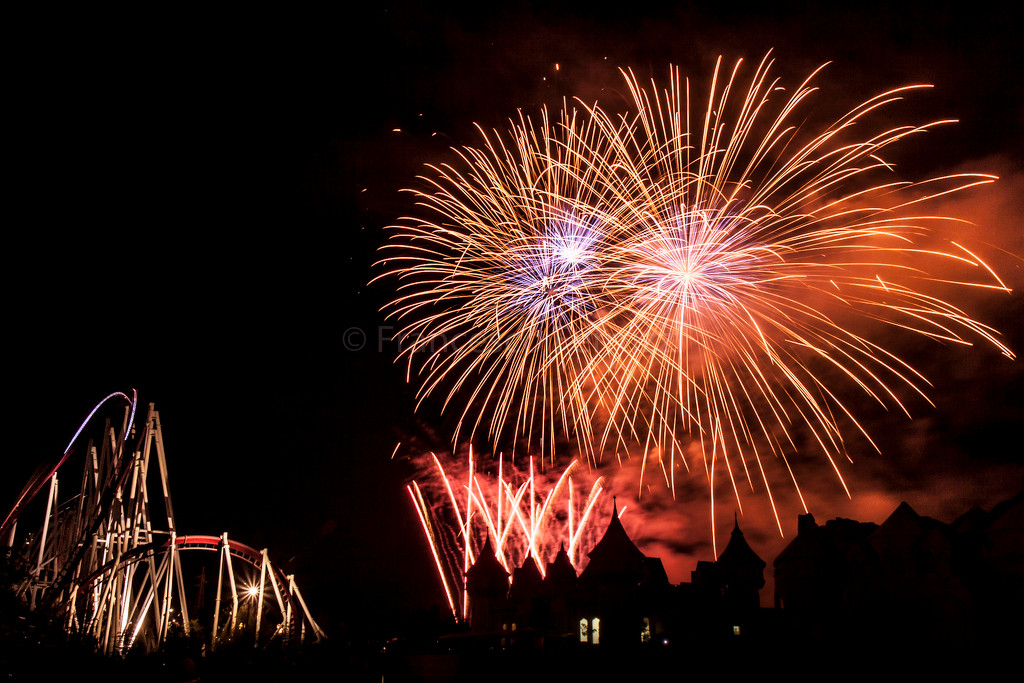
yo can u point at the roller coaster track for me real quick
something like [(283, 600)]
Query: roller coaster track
[(107, 561)]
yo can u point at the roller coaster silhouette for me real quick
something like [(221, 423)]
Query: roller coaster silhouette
[(109, 562)]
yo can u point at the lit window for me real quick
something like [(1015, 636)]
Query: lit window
[(735, 630), (645, 632), (584, 631), (595, 631)]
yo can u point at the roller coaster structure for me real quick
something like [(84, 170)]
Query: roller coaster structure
[(107, 561)]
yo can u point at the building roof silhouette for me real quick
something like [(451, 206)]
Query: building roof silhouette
[(487, 574), (559, 574), (738, 554), (615, 556), (526, 580)]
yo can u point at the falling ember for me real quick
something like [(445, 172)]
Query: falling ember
[(526, 516), (710, 275)]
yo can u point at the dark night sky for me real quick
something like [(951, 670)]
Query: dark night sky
[(195, 202)]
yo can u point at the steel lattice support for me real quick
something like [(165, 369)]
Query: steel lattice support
[(109, 559)]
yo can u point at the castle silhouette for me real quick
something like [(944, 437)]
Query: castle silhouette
[(909, 580), (622, 598)]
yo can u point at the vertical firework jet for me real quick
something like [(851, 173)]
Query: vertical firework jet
[(526, 516), (672, 277)]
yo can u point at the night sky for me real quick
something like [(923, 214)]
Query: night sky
[(195, 202)]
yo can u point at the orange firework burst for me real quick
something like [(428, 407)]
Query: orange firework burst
[(671, 277)]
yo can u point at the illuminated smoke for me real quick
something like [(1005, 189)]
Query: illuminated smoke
[(699, 282)]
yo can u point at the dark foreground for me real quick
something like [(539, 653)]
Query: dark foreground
[(346, 662)]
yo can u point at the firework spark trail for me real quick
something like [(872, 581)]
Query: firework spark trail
[(650, 280), (496, 292), (524, 519), (726, 243)]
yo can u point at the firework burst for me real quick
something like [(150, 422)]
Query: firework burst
[(674, 276), (498, 285)]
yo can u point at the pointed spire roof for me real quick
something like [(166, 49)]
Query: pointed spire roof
[(486, 573), (526, 580), (560, 572), (738, 552), (615, 555)]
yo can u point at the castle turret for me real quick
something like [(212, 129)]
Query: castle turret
[(559, 588), (610, 604), (615, 559), (525, 595), (741, 572), (487, 588)]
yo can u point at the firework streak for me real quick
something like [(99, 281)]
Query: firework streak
[(669, 280), (526, 517)]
